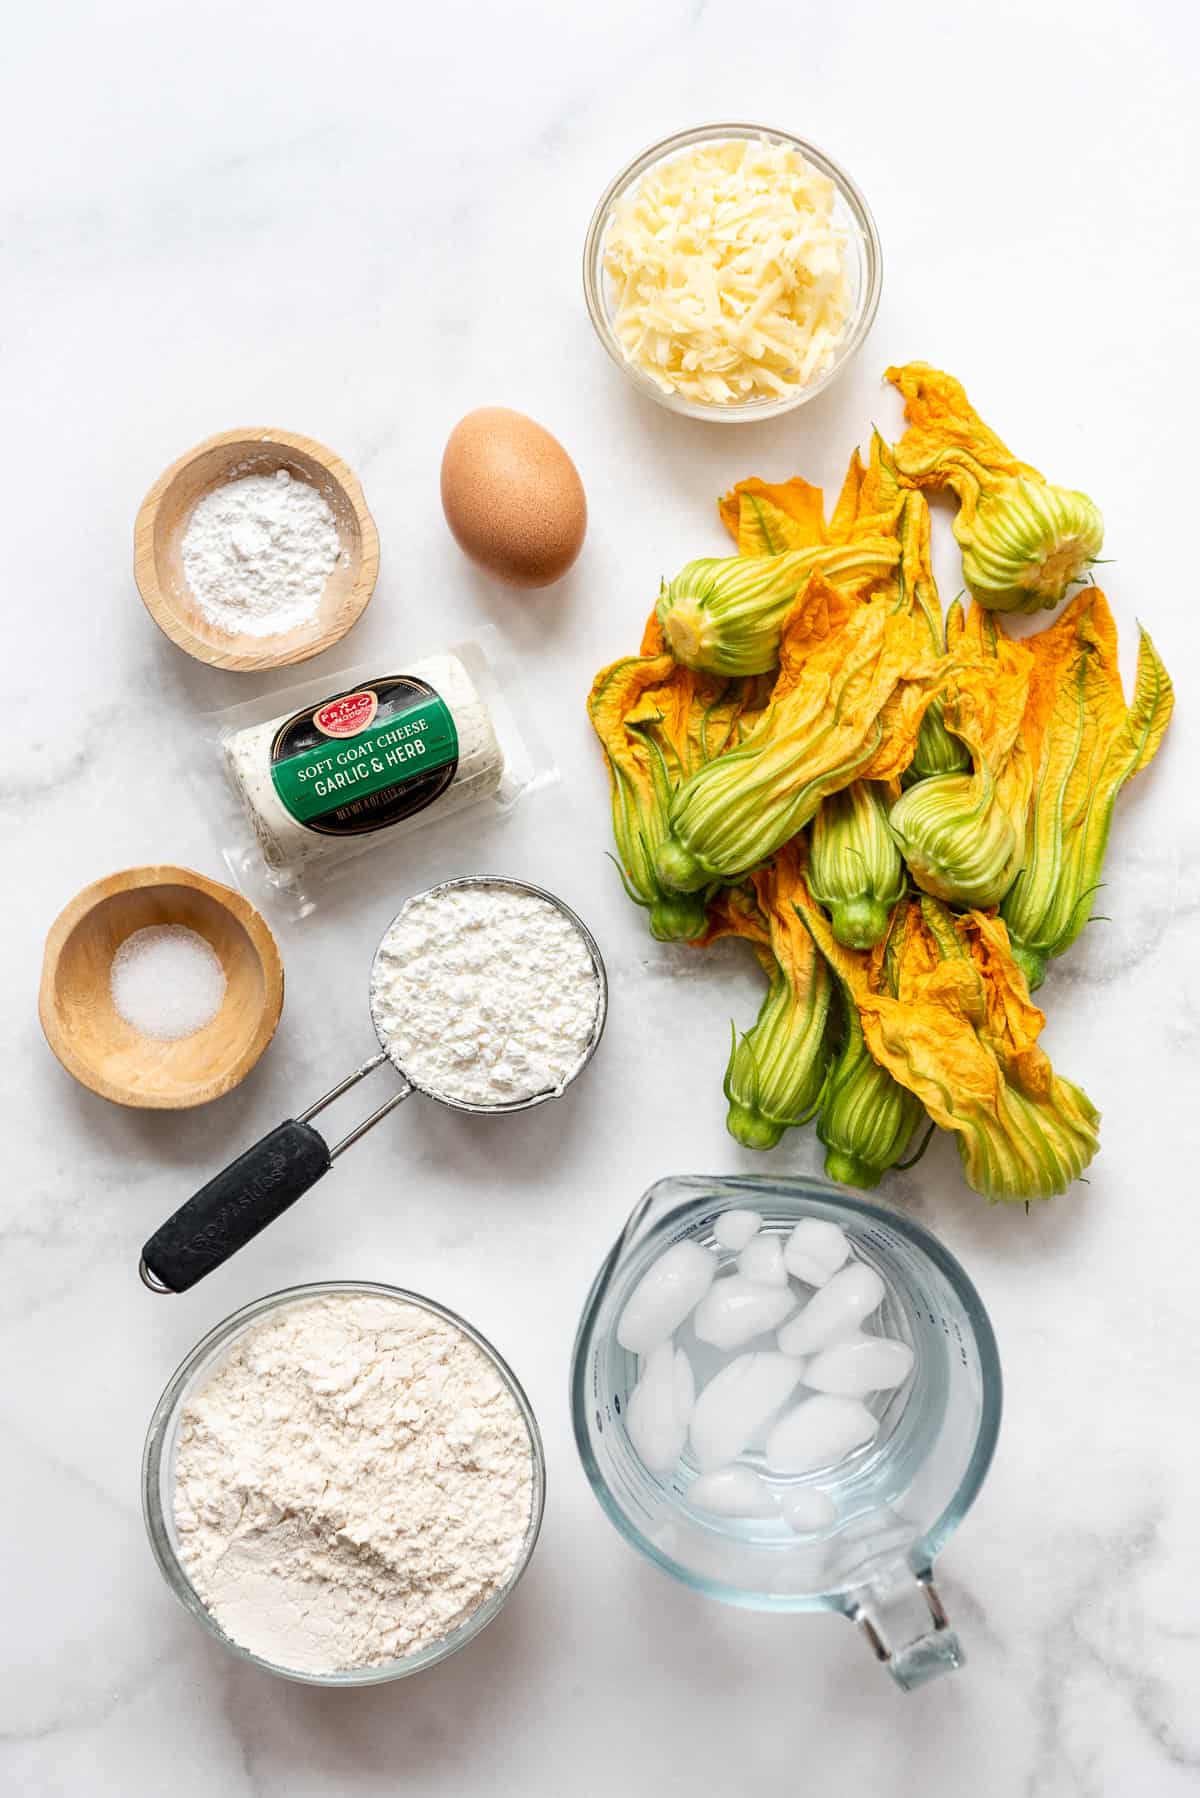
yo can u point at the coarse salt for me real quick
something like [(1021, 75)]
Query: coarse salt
[(167, 982)]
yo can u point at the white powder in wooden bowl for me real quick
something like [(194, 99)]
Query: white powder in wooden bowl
[(167, 982), (257, 553)]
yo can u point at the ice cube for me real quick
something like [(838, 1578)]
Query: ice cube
[(664, 1295), (807, 1510), (819, 1432), (834, 1311), (736, 1404), (731, 1492), (657, 1428), (685, 1388), (762, 1260), (757, 1444), (815, 1250), (735, 1228), (857, 1364), (735, 1309)]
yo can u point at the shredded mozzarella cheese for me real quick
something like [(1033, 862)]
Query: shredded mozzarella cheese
[(730, 277)]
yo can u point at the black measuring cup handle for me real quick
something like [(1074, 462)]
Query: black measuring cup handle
[(252, 1192), (234, 1206)]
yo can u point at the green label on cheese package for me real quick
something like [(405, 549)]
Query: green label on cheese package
[(365, 758)]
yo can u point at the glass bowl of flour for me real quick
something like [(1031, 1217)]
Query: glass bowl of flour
[(343, 1483)]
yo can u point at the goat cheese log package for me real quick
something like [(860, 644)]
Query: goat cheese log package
[(360, 759)]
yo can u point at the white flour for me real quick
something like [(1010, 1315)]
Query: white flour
[(352, 1483), (258, 551), (484, 995)]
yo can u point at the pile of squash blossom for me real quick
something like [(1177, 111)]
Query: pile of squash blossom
[(905, 814)]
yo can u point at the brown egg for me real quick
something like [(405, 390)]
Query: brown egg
[(513, 497)]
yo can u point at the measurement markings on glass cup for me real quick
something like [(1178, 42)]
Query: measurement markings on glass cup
[(962, 1347)]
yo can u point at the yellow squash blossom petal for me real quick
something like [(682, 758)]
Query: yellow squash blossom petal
[(765, 519), (848, 505), (658, 723), (936, 750), (1085, 744), (912, 716), (963, 835), (874, 498), (955, 1026), (724, 614), (874, 505), (1024, 541), (853, 682), (734, 911), (777, 1068), (867, 1119)]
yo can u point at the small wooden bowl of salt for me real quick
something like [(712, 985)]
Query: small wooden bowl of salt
[(160, 988), (255, 550)]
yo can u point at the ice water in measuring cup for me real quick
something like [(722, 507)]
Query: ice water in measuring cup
[(795, 1531), (784, 1381)]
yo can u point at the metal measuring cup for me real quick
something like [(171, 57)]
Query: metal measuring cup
[(255, 1189)]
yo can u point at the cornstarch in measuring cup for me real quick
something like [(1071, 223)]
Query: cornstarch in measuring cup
[(257, 553), (484, 995), (167, 982)]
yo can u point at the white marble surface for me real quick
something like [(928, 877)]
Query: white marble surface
[(359, 222)]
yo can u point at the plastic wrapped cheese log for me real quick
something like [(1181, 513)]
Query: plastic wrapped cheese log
[(362, 764)]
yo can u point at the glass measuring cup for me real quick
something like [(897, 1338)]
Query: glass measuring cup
[(280, 1168), (897, 1499)]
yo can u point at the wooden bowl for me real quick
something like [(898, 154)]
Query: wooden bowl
[(163, 519), (105, 1053)]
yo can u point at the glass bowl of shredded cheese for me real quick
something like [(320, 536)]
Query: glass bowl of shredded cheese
[(732, 271)]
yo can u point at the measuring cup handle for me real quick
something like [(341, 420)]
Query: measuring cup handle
[(234, 1206), (908, 1630)]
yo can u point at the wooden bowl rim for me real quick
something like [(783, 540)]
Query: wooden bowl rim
[(130, 880), (306, 640)]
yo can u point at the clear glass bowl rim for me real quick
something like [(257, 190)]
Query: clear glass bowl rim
[(856, 331), (699, 1188), (159, 1433)]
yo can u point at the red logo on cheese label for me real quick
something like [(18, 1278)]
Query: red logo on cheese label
[(346, 716)]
